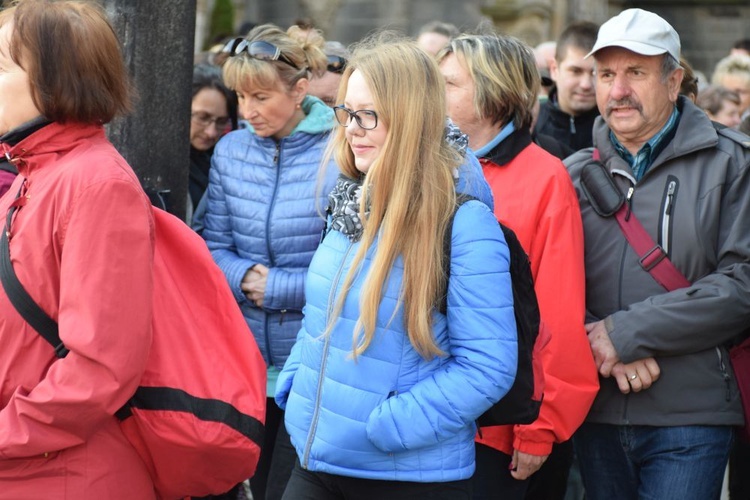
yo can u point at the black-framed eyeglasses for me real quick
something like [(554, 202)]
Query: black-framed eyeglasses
[(206, 120), (366, 118), (259, 49), (336, 64)]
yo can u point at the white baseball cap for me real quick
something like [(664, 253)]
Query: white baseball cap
[(639, 31)]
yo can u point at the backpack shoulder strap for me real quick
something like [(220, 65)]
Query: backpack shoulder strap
[(461, 198), (20, 298)]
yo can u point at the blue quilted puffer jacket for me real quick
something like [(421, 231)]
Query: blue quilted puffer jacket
[(390, 414), (264, 205)]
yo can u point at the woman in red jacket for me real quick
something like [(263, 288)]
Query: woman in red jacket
[(81, 243), (491, 86)]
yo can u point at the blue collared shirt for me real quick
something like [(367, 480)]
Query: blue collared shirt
[(649, 151)]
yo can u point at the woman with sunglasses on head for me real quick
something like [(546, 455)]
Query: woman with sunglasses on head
[(263, 221), (213, 113), (381, 389)]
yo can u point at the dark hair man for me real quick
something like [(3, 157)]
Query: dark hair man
[(568, 115)]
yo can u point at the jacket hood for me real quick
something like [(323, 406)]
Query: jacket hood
[(319, 117)]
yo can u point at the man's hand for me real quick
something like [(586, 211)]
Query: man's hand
[(604, 351), (637, 375), (524, 465), (254, 283)]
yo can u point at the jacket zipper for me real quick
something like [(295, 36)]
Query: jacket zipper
[(724, 374), (277, 163), (323, 362), (572, 125), (629, 201), (666, 216)]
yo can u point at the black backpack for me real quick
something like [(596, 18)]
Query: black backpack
[(522, 402)]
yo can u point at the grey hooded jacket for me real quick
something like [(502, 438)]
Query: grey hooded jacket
[(695, 202)]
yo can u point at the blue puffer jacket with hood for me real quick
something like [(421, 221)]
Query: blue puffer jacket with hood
[(391, 414), (265, 198)]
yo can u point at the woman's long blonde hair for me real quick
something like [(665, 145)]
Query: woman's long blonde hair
[(410, 187)]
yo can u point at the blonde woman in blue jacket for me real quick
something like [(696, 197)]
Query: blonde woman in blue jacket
[(381, 390), (262, 222)]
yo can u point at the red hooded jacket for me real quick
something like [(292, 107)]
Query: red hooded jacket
[(82, 245)]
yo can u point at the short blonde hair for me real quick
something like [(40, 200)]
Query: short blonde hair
[(736, 65), (506, 79), (304, 50)]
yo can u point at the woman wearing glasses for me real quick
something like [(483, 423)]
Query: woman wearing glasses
[(213, 113), (262, 223), (381, 390)]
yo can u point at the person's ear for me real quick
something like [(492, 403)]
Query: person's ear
[(674, 82), (553, 69), (299, 90)]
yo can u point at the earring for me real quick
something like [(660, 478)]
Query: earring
[(298, 106)]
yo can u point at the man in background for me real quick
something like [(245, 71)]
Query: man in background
[(435, 35), (569, 112)]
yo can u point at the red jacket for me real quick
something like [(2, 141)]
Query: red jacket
[(535, 197), (82, 245)]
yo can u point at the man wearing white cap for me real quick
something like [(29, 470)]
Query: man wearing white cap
[(665, 300)]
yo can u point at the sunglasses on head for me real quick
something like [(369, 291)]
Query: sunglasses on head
[(259, 49), (336, 64)]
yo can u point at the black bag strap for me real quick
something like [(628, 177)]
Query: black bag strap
[(461, 198), (20, 298)]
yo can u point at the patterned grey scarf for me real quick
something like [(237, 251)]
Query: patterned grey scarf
[(343, 205)]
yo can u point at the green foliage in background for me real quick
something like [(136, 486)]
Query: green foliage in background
[(222, 22)]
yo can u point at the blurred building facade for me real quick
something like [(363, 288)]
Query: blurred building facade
[(707, 28)]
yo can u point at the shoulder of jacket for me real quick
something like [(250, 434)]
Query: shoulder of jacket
[(580, 157), (472, 221), (735, 136)]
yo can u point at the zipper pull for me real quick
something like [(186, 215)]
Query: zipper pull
[(281, 317), (572, 125), (276, 154), (628, 200), (670, 197), (6, 152)]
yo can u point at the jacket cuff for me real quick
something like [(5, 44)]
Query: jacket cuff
[(235, 272), (284, 290), (627, 350), (538, 448)]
